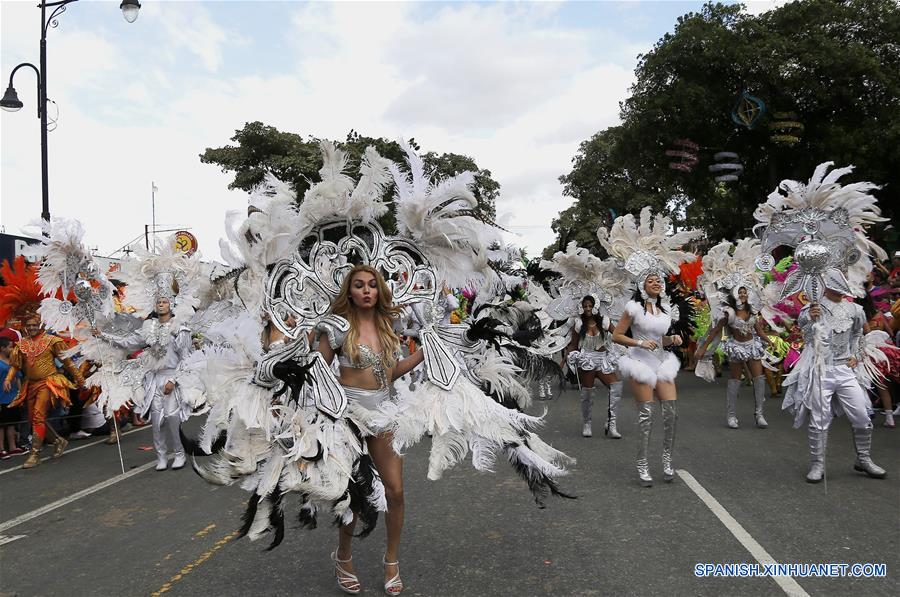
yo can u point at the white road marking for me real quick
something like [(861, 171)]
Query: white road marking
[(82, 447), (75, 496), (787, 583), (4, 539)]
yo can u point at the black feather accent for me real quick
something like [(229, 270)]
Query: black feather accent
[(248, 515), (684, 325), (192, 446), (276, 517), (529, 331), (307, 516), (486, 329), (534, 367), (360, 488), (294, 375), (541, 485)]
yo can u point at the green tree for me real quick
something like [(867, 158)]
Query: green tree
[(835, 63), (259, 148)]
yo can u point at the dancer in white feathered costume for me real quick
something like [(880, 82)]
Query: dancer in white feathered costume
[(162, 287), (586, 298), (735, 292), (321, 305), (648, 253), (825, 223)]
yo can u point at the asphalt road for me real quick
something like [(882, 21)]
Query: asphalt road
[(476, 533)]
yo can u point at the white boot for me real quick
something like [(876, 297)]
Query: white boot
[(731, 396), (759, 395), (587, 403), (162, 461), (615, 395)]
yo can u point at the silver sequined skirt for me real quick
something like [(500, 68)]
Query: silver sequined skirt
[(750, 350)]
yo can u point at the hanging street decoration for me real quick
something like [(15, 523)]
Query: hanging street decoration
[(686, 152), (728, 166), (786, 130), (748, 110)]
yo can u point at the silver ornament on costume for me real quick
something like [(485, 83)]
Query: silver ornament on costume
[(765, 262), (813, 256)]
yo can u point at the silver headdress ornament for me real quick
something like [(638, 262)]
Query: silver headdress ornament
[(646, 248), (824, 222), (164, 273), (729, 267), (68, 268), (583, 274), (439, 242)]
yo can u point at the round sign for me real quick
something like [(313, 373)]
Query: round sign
[(185, 242)]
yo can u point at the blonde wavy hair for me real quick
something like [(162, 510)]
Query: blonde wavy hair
[(385, 313)]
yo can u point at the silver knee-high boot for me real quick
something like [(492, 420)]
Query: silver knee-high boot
[(759, 395), (645, 425), (587, 403), (612, 415), (669, 416), (862, 438), (818, 441), (731, 396)]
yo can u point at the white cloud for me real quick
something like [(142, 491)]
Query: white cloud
[(757, 7), (503, 83)]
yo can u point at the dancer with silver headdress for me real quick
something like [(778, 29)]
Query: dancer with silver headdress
[(825, 224), (647, 252), (585, 304), (734, 291), (163, 288), (313, 275)]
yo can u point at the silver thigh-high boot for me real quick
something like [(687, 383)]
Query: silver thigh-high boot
[(615, 396), (818, 441), (759, 395), (645, 425), (731, 396), (862, 438), (669, 416), (587, 403)]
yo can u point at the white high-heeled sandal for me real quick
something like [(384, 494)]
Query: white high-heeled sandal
[(394, 586), (345, 578)]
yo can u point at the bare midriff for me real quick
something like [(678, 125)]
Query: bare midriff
[(363, 379)]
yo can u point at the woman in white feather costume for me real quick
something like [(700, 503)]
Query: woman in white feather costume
[(647, 252), (297, 263)]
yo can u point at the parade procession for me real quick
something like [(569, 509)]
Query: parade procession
[(661, 360)]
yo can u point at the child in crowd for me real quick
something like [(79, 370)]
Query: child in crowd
[(8, 416)]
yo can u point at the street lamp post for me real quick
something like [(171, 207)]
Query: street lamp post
[(11, 102)]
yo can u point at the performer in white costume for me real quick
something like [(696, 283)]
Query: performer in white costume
[(315, 272), (825, 224), (647, 252), (587, 295), (734, 290), (162, 285)]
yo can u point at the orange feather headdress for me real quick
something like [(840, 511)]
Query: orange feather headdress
[(20, 294)]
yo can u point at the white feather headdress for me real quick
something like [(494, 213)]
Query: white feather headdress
[(437, 217), (646, 247), (165, 272), (584, 274), (68, 268), (338, 195), (825, 222)]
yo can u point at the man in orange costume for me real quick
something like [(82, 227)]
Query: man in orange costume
[(44, 387)]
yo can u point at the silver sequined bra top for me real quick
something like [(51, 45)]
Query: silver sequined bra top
[(336, 329), (367, 358), (594, 343), (745, 327)]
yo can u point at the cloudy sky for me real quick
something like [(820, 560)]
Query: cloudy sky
[(517, 86)]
